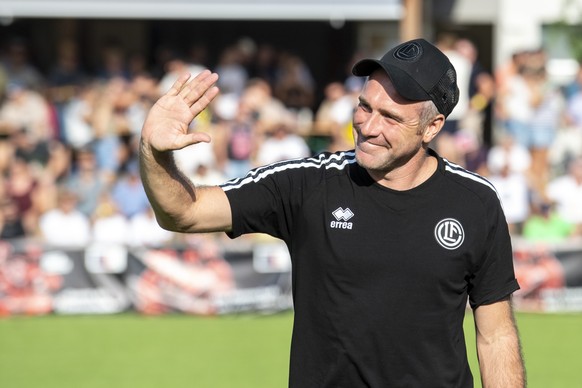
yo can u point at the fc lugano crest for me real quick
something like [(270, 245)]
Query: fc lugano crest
[(449, 233), (408, 52)]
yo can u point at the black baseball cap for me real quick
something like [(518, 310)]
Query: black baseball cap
[(419, 72)]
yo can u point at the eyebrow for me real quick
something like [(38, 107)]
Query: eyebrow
[(384, 112)]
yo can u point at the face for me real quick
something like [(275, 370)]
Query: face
[(387, 127), (576, 169)]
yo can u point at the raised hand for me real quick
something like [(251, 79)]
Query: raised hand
[(166, 126)]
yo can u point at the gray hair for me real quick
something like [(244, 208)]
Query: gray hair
[(428, 111)]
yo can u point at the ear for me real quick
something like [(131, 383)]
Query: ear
[(433, 128)]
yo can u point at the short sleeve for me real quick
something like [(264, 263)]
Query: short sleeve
[(494, 277)]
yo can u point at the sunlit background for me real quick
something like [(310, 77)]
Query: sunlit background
[(80, 248)]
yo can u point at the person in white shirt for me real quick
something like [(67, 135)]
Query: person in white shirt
[(566, 192), (514, 191), (282, 144), (508, 164), (145, 231), (65, 226), (507, 151), (110, 226)]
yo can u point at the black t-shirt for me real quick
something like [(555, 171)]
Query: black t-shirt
[(380, 277)]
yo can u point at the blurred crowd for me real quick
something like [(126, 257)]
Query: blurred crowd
[(69, 137)]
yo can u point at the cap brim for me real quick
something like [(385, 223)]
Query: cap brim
[(405, 85)]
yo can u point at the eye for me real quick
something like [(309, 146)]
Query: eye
[(365, 107), (391, 119)]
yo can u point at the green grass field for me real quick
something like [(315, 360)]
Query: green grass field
[(222, 352)]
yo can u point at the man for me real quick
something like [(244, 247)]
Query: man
[(387, 240)]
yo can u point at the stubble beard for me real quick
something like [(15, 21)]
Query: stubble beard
[(379, 166)]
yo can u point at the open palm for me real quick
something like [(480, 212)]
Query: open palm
[(166, 126)]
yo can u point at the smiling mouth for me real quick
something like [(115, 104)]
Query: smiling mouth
[(368, 143)]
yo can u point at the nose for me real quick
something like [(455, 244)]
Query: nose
[(367, 123)]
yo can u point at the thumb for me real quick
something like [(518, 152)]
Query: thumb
[(192, 138)]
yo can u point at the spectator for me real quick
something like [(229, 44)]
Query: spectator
[(265, 64), (144, 231), (566, 192), (574, 86), (237, 137), (173, 67), (240, 146), (77, 115), (66, 75), (197, 53), (86, 181), (446, 43), (568, 143), (188, 159), (548, 113), (128, 192), (334, 114), (21, 188), (263, 107), (508, 165), (113, 62), (514, 102), (445, 142), (281, 144), (508, 152), (534, 111), (546, 225), (206, 175), (18, 66), (36, 153), (481, 93), (109, 123), (513, 189), (233, 75), (64, 79), (137, 64), (59, 164), (26, 109), (200, 164), (143, 92), (336, 109), (109, 225), (574, 110), (504, 74), (10, 224), (65, 226), (294, 84)]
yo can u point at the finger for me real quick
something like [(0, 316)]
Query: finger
[(194, 89), (187, 87), (205, 100), (179, 84)]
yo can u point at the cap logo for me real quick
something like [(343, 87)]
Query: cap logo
[(408, 52)]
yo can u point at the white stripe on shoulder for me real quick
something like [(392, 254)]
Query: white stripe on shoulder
[(337, 160), (458, 170)]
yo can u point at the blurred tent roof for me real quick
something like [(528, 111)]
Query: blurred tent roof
[(204, 9)]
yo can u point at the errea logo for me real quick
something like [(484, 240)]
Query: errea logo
[(342, 217), (449, 233)]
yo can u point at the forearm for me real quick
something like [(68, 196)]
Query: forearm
[(178, 205), (170, 193), (500, 359)]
